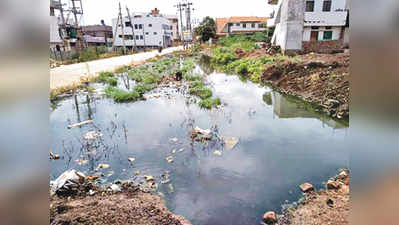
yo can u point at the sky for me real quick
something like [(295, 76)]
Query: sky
[(96, 10)]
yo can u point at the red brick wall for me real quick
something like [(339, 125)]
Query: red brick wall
[(322, 46)]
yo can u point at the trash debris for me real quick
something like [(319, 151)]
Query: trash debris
[(169, 159), (91, 192), (80, 124), (181, 150), (115, 188), (92, 177), (171, 188), (201, 131), (137, 172), (54, 156), (174, 151), (218, 153), (67, 183), (149, 178), (174, 139), (81, 162), (230, 142), (92, 135), (131, 159), (102, 166), (110, 174), (165, 181)]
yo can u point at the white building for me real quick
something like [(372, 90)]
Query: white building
[(323, 20), (149, 31), (175, 26), (240, 25)]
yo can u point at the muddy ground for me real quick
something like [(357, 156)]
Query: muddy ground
[(321, 79), (329, 206), (130, 206)]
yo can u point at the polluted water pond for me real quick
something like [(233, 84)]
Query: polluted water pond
[(205, 186)]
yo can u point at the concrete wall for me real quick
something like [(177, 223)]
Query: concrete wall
[(159, 33), (307, 31), (291, 25)]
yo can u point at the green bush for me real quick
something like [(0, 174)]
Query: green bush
[(209, 103), (141, 89), (120, 95), (192, 77), (104, 76), (88, 54), (201, 92), (113, 81)]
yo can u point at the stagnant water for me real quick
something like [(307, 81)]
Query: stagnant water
[(282, 144)]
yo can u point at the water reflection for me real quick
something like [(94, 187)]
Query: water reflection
[(281, 145)]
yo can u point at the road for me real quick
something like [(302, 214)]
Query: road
[(69, 74)]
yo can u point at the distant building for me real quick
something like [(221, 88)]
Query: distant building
[(175, 26), (299, 21), (97, 35), (150, 30), (240, 25)]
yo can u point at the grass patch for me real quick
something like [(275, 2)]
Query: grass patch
[(201, 92), (208, 103), (192, 77)]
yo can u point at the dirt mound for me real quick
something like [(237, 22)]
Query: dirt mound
[(128, 207), (322, 79)]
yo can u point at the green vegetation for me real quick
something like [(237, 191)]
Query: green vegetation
[(201, 92), (209, 103), (207, 29), (107, 77)]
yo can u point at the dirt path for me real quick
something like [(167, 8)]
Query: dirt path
[(69, 74)]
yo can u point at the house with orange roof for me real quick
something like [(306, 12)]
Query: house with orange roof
[(240, 25)]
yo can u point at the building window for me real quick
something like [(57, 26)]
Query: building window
[(253, 25), (327, 6), (155, 33), (140, 26), (128, 24), (315, 27), (262, 25), (137, 37), (146, 33), (136, 26), (309, 6), (150, 25), (120, 36), (244, 25), (328, 28), (314, 36), (237, 24), (141, 37), (327, 35)]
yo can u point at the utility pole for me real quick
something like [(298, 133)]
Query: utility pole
[(188, 15), (122, 26), (179, 7), (131, 23), (79, 42)]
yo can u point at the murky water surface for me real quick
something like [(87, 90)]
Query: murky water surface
[(281, 145)]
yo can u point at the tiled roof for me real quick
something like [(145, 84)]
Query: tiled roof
[(221, 22)]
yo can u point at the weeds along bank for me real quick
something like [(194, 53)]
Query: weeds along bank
[(130, 83), (321, 79)]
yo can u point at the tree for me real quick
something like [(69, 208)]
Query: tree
[(207, 29)]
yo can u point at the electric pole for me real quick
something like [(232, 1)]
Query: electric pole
[(131, 24), (79, 42), (122, 26), (179, 7)]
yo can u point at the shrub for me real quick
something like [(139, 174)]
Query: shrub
[(104, 76), (209, 103), (201, 92), (192, 77), (112, 81)]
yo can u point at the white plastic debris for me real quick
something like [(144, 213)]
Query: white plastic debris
[(102, 166), (67, 181), (169, 159), (230, 142), (115, 188), (218, 153), (92, 135), (174, 139), (201, 131), (80, 124), (131, 160)]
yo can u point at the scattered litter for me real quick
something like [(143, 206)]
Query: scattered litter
[(91, 192), (153, 96), (92, 135), (169, 159), (165, 181), (174, 151), (218, 153), (115, 188), (54, 156), (68, 182), (102, 166), (201, 131), (92, 177), (171, 188), (110, 174), (80, 124), (181, 150), (81, 162), (149, 178), (230, 142), (137, 172), (174, 139), (131, 160)]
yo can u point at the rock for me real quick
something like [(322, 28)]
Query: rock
[(230, 142), (218, 153), (330, 202), (306, 187), (333, 185), (270, 217)]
